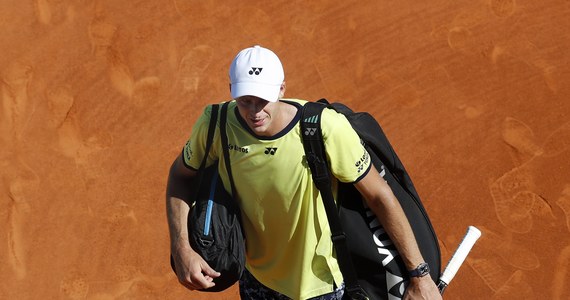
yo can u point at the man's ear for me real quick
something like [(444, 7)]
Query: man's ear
[(282, 89)]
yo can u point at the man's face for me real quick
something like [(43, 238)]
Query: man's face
[(258, 114)]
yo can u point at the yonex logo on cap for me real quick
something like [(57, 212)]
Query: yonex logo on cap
[(255, 71)]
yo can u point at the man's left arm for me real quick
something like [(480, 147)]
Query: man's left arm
[(383, 203)]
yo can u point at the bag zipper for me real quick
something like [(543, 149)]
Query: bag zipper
[(208, 219)]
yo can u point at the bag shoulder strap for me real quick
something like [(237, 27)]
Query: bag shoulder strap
[(209, 142), (211, 130), (314, 145), (316, 158), (224, 137)]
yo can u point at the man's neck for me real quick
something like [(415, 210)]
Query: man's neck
[(285, 116)]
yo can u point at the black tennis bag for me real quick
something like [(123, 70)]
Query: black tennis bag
[(372, 267), (214, 224)]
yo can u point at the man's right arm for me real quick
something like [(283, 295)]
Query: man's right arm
[(192, 271)]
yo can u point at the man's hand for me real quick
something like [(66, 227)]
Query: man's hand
[(421, 288), (191, 269)]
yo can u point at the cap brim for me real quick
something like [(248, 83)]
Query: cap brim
[(263, 91)]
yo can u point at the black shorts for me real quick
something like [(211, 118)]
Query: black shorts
[(251, 288)]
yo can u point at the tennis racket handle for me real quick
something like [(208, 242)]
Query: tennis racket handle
[(470, 238)]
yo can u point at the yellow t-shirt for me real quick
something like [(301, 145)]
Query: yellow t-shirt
[(289, 247)]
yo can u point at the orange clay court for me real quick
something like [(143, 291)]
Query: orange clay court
[(98, 97)]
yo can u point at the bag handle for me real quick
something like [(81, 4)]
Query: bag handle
[(315, 154)]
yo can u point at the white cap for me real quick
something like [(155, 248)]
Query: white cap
[(256, 71)]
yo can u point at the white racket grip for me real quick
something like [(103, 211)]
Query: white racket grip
[(460, 254)]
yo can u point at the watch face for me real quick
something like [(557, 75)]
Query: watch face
[(424, 269), (420, 271)]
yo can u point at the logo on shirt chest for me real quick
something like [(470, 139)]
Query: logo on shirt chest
[(270, 150), (246, 150), (238, 148)]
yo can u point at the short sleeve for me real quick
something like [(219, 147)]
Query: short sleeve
[(193, 151), (349, 161)]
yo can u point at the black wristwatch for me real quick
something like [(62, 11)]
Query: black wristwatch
[(420, 271)]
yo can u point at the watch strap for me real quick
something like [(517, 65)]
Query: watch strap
[(420, 271)]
